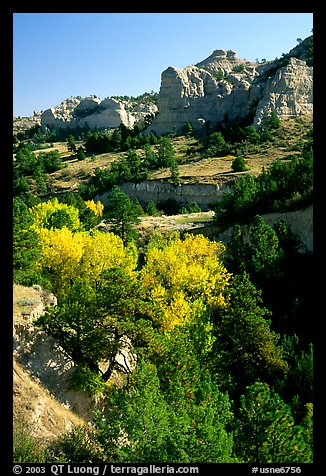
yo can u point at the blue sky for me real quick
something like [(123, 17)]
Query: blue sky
[(58, 55)]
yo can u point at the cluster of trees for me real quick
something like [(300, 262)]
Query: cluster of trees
[(220, 377), (34, 138), (38, 137), (28, 165), (121, 139), (237, 137), (272, 189), (133, 167)]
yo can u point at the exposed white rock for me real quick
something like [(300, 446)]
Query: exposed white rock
[(289, 92), (91, 112), (220, 87), (223, 86), (183, 194)]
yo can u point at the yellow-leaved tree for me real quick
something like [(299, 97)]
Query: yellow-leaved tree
[(53, 214), (61, 253), (97, 207), (104, 251), (66, 256), (184, 275)]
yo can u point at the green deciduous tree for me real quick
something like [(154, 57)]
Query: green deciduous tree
[(239, 164)]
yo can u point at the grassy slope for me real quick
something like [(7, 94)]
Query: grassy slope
[(193, 166)]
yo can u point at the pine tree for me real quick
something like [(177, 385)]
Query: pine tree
[(26, 243), (265, 431), (71, 144), (121, 213), (175, 173), (246, 348)]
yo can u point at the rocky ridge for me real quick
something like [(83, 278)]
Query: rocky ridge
[(225, 88), (220, 88), (96, 114)]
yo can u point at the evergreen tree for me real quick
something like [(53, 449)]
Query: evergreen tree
[(80, 153), (26, 245), (216, 145), (265, 250), (246, 348), (165, 152), (143, 425), (25, 163), (71, 144), (265, 431), (175, 173), (121, 213)]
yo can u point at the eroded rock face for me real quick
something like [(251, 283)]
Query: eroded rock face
[(218, 89), (224, 87), (90, 112), (289, 92), (183, 194)]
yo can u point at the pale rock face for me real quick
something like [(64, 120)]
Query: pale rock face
[(220, 59), (224, 86), (289, 92), (219, 88), (193, 94), (87, 103), (92, 112), (142, 111), (110, 114)]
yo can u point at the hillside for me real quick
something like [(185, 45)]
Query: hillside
[(193, 166), (162, 270)]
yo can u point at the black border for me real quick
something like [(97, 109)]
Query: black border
[(6, 81)]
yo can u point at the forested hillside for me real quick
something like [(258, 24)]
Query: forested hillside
[(221, 332)]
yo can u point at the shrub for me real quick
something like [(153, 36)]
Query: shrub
[(239, 165), (25, 447)]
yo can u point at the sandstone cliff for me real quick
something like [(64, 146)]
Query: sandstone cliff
[(156, 190), (289, 92), (219, 88), (96, 114), (90, 112), (224, 87)]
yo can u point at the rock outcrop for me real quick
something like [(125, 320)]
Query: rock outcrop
[(218, 89), (90, 112), (289, 92), (158, 191), (93, 113), (224, 87), (193, 95)]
